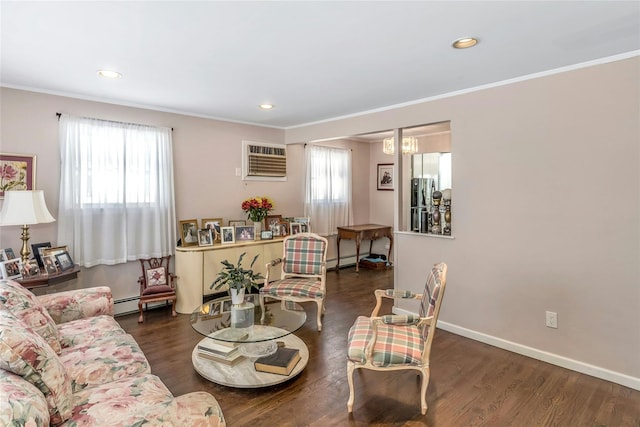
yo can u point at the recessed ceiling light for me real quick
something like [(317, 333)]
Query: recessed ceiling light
[(108, 74), (266, 106), (464, 43)]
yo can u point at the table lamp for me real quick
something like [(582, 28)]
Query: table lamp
[(24, 208)]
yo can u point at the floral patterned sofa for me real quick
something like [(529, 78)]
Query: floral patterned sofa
[(66, 361)]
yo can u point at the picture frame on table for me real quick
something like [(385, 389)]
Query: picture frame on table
[(8, 254), (10, 269), (305, 223), (189, 232), (266, 235), (21, 172), (215, 224), (295, 228), (206, 236), (30, 268), (271, 220), (283, 228), (38, 250), (227, 235), (385, 176), (55, 251), (237, 222), (64, 261), (50, 264), (245, 233)]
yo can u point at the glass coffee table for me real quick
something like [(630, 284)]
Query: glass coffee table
[(254, 335)]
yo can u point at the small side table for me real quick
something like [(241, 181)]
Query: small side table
[(362, 232), (43, 280)]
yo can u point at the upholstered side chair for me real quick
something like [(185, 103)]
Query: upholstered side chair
[(303, 274), (395, 342), (157, 284)]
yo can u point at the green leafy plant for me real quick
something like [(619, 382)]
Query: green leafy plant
[(237, 277)]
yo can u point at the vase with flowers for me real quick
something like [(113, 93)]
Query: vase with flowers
[(257, 209)]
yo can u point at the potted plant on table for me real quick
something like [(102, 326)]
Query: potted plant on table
[(237, 278)]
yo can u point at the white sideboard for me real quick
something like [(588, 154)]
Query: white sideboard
[(198, 266)]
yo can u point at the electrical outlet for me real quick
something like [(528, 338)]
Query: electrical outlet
[(552, 319)]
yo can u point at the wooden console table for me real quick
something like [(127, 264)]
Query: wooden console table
[(359, 233), (42, 280)]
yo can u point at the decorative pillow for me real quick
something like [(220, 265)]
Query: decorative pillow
[(156, 277), (26, 354), (21, 402), (26, 307)]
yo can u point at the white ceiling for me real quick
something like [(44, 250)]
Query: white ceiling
[(313, 60)]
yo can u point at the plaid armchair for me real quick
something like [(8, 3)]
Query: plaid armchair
[(394, 342), (304, 272)]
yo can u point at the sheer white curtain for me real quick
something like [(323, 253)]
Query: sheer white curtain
[(328, 188), (116, 191)]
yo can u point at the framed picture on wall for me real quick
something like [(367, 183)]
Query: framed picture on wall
[(385, 176), (18, 172)]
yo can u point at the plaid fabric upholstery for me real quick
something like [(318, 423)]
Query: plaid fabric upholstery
[(395, 319), (399, 294), (303, 255), (395, 345), (294, 287), (430, 294)]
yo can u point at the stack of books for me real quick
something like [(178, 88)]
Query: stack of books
[(220, 351), (281, 362)]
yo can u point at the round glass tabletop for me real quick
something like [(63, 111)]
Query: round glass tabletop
[(246, 323)]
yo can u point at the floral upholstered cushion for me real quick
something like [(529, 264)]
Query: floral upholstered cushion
[(78, 304), (22, 403), (25, 353), (395, 345), (132, 401), (199, 409), (104, 360), (30, 310), (86, 331)]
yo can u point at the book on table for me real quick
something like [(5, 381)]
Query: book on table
[(281, 362), (230, 359), (218, 347)]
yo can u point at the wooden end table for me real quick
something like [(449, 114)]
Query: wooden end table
[(362, 232)]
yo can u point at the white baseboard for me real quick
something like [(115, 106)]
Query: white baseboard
[(554, 359)]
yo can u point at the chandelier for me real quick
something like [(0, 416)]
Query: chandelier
[(409, 145)]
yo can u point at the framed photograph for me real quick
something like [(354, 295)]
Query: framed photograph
[(50, 264), (215, 224), (385, 176), (18, 172), (11, 269), (295, 228), (8, 254), (271, 220), (227, 235), (189, 232), (205, 236), (305, 223), (237, 222), (266, 235), (283, 228), (30, 269), (3, 257), (55, 251), (64, 261), (245, 232), (38, 249)]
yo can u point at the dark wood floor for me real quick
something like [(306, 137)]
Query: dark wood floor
[(472, 384)]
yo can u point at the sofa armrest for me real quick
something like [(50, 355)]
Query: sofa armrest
[(78, 304), (21, 403)]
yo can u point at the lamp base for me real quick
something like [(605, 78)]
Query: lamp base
[(25, 252)]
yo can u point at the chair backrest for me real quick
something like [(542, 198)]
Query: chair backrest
[(155, 271), (431, 302), (304, 253)]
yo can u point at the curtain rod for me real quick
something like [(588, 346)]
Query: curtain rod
[(113, 121)]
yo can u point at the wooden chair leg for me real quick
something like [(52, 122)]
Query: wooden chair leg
[(141, 318), (350, 369), (173, 308), (423, 391), (320, 304)]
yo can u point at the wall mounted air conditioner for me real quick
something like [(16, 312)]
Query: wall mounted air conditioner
[(262, 161)]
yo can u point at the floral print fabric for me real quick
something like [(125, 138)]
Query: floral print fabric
[(26, 354), (78, 304), (30, 310), (23, 403), (87, 331)]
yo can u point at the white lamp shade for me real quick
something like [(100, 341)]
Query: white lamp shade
[(24, 208)]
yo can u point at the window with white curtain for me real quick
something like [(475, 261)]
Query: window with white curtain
[(328, 188), (116, 191)]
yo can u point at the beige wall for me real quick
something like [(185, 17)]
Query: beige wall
[(546, 199), (206, 155)]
